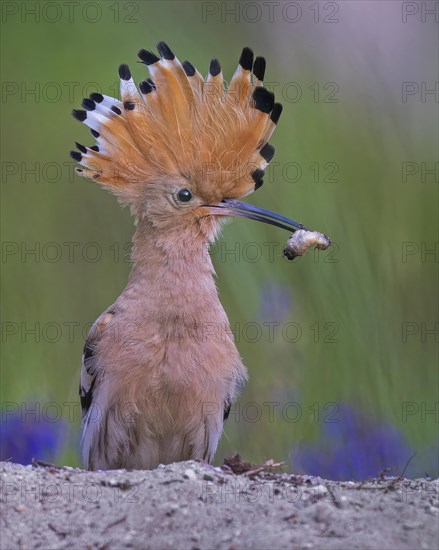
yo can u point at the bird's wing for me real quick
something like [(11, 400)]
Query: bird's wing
[(91, 378), (90, 372), (227, 407)]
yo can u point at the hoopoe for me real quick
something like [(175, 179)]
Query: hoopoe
[(157, 382)]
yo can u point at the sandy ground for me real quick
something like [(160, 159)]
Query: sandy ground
[(195, 506)]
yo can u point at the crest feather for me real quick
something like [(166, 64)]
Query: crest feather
[(180, 124)]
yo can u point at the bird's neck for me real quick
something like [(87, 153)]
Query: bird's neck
[(172, 274)]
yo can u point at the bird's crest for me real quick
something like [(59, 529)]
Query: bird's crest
[(178, 124)]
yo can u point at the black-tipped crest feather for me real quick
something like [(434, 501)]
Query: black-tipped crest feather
[(263, 99), (215, 67), (165, 51), (124, 72), (246, 59), (259, 68), (149, 58), (79, 114)]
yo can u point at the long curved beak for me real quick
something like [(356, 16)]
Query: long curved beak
[(231, 207)]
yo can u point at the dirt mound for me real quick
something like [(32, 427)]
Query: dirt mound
[(195, 506)]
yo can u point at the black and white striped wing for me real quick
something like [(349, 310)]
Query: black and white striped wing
[(89, 373)]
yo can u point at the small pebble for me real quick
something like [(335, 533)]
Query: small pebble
[(320, 490), (190, 474)]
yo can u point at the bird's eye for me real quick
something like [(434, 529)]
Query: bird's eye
[(184, 195)]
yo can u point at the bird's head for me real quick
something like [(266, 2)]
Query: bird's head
[(181, 149)]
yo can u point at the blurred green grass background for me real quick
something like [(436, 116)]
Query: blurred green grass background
[(366, 287)]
